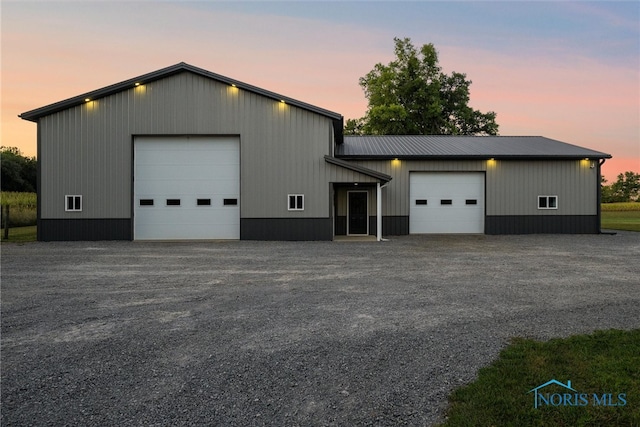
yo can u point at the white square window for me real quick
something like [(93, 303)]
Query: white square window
[(296, 202), (73, 203), (547, 202)]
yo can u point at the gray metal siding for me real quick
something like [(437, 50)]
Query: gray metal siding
[(395, 196), (87, 149), (513, 187)]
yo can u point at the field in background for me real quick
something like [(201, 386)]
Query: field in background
[(621, 207), (22, 216), (621, 216), (22, 208)]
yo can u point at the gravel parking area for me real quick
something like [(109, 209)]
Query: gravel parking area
[(289, 333)]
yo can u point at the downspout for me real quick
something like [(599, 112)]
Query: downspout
[(599, 199), (379, 210)]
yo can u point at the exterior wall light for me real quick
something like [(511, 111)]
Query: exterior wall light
[(87, 99)]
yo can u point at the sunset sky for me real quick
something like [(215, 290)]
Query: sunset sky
[(565, 70)]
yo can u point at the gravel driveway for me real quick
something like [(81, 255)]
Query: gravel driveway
[(289, 333)]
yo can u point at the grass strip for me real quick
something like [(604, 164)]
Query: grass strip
[(603, 363), (21, 234), (620, 220)]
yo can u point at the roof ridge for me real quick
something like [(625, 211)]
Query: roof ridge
[(102, 92)]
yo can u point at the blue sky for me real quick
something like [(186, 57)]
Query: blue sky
[(608, 30)]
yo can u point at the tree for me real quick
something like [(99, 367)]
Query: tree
[(625, 189), (412, 96), (19, 173)]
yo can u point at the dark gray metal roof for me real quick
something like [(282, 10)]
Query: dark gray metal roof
[(357, 168), (34, 115), (483, 147)]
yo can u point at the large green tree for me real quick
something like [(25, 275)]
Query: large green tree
[(412, 96)]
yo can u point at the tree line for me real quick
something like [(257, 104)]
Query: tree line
[(625, 189), (19, 173)]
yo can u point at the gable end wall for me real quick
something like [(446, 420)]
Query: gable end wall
[(87, 149)]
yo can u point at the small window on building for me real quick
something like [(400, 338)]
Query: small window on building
[(204, 202), (421, 201), (146, 202), (296, 202), (446, 202), (173, 202), (230, 202), (471, 202), (547, 202), (73, 203)]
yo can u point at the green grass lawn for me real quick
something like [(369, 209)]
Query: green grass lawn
[(20, 234), (602, 363), (621, 216)]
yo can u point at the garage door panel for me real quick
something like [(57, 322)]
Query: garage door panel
[(178, 188), (187, 169), (183, 232), (177, 171), (175, 159), (192, 158), (452, 216), (204, 215)]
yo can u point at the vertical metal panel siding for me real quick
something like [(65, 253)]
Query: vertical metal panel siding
[(395, 196), (87, 149), (513, 187)]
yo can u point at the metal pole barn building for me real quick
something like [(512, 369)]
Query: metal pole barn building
[(183, 153)]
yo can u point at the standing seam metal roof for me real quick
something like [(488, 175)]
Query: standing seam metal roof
[(445, 146)]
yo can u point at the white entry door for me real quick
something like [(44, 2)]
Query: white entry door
[(186, 187), (446, 202)]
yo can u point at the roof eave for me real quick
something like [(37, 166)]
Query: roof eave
[(472, 157), (34, 115), (357, 168)]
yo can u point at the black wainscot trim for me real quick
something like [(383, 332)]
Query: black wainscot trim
[(286, 229), (542, 224), (84, 229)]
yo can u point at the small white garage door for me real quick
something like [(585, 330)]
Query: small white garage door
[(446, 202), (186, 188)]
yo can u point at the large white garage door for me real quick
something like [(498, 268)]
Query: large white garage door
[(186, 188), (451, 202)]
